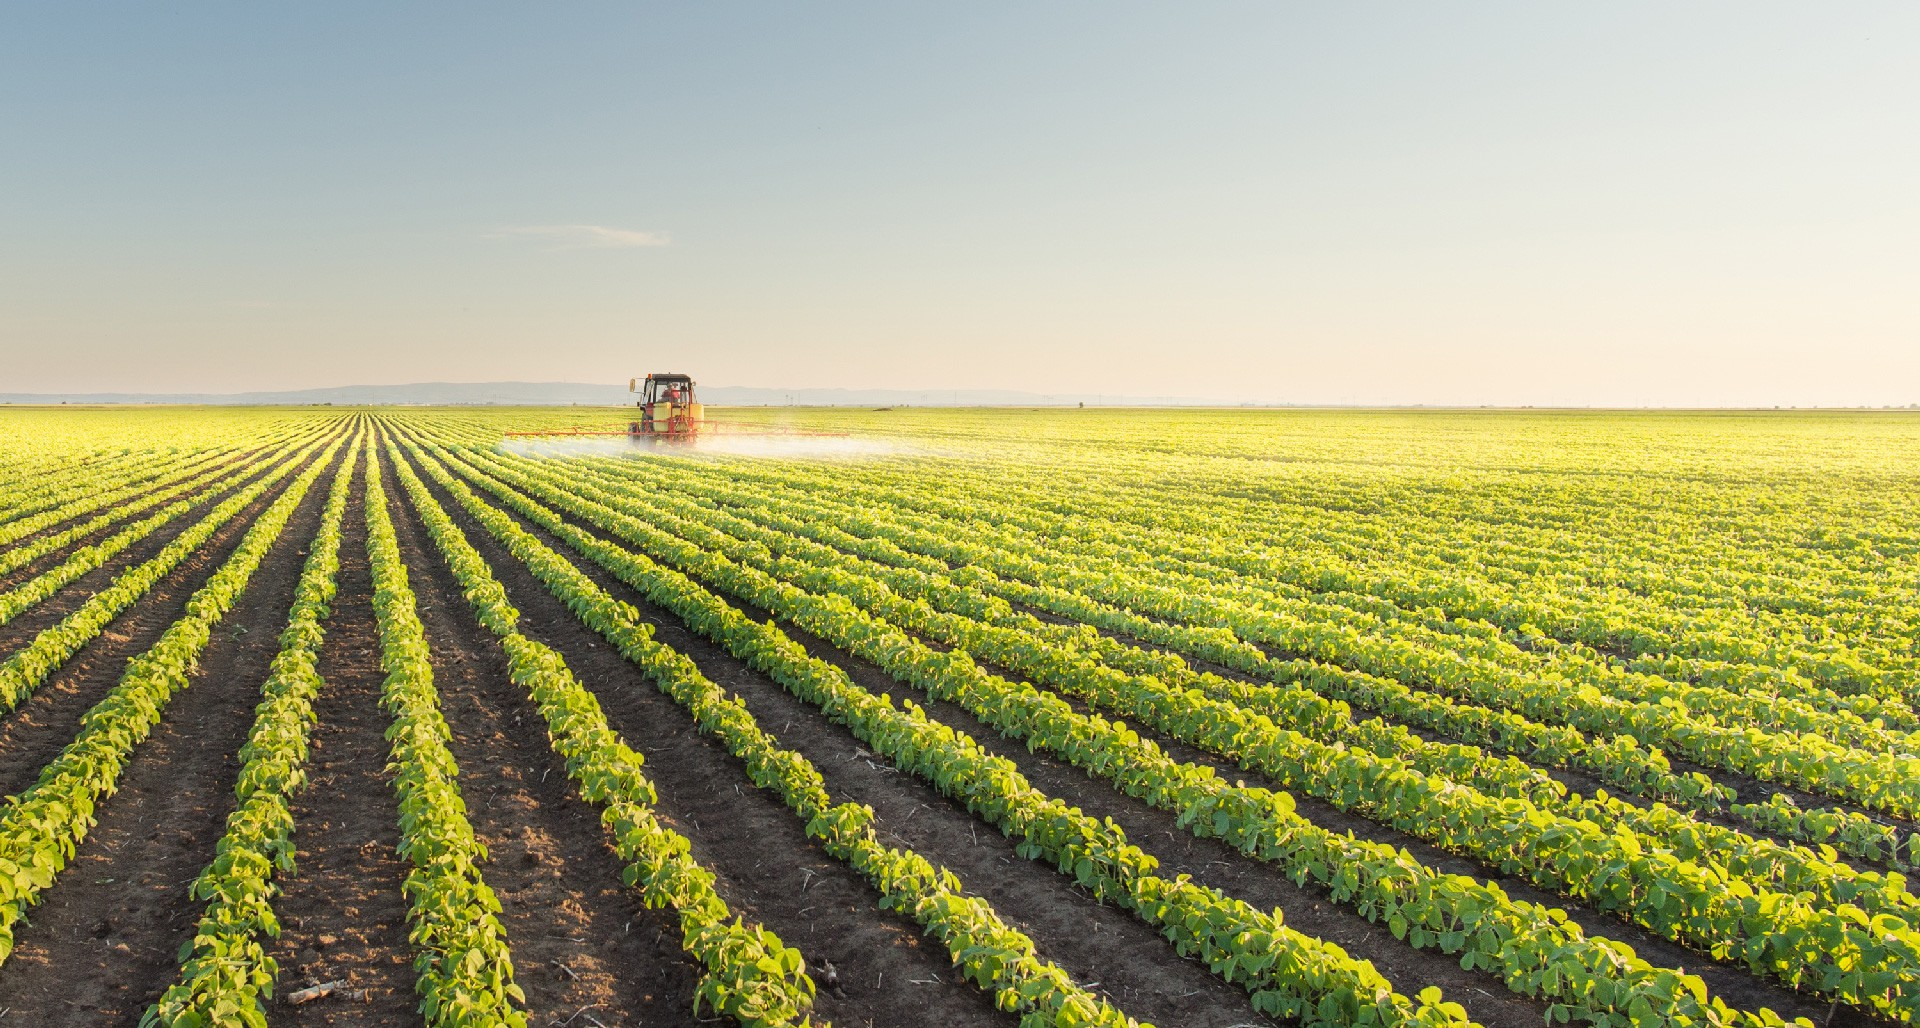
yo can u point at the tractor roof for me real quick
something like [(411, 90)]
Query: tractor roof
[(671, 377)]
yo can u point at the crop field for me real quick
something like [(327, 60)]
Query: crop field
[(1201, 719)]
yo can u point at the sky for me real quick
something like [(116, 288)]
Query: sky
[(1508, 203)]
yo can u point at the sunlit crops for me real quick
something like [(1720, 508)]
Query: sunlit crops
[(1190, 717)]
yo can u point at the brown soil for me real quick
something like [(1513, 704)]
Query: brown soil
[(104, 942), (1100, 945), (342, 914), (1483, 995), (45, 722), (1097, 944), (79, 468), (48, 612), (48, 560), (1754, 790), (580, 938), (766, 867), (1734, 983)]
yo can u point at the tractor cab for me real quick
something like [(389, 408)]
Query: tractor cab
[(667, 407)]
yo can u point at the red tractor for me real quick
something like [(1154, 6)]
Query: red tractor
[(667, 407)]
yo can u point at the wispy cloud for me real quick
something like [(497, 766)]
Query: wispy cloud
[(583, 237)]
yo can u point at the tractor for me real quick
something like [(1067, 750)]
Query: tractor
[(668, 412), (668, 408)]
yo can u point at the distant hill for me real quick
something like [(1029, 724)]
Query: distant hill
[(563, 393), (538, 393)]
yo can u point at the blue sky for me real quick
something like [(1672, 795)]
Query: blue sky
[(1470, 203)]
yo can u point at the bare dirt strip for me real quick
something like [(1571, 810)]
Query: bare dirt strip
[(580, 938), (1102, 946), (46, 721), (48, 612), (766, 867), (1309, 909), (342, 914), (1732, 982), (104, 942), (1215, 864), (50, 559)]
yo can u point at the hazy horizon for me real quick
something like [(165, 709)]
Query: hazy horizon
[(576, 394), (1635, 205)]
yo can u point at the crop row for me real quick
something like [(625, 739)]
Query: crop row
[(463, 967), (1287, 973), (86, 558), (1843, 950), (41, 827), (1536, 951), (62, 496), (1653, 613), (750, 975), (226, 972), (991, 953), (29, 666), (1192, 549), (69, 493), (1203, 710), (1618, 760), (1886, 781), (17, 557), (1621, 578)]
